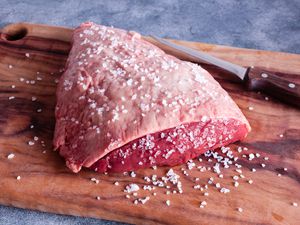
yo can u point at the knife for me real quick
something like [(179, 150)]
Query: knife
[(256, 79)]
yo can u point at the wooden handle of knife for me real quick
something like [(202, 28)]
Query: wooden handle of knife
[(283, 86)]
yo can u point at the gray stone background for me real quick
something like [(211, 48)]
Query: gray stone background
[(261, 24)]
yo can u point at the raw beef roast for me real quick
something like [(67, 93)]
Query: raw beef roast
[(124, 104)]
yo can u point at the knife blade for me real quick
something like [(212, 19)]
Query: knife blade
[(256, 79)]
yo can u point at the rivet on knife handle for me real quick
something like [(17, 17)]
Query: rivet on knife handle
[(262, 80)]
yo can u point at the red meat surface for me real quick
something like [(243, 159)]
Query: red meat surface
[(172, 146), (124, 104)]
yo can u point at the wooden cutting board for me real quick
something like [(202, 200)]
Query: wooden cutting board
[(31, 61)]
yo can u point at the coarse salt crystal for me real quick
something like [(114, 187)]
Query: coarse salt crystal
[(203, 204), (291, 85), (235, 177), (168, 203), (27, 55), (98, 198), (204, 119), (240, 209), (224, 190), (251, 156), (18, 177), (11, 156), (190, 164), (238, 165), (144, 200), (197, 186), (30, 143), (295, 204), (95, 180), (116, 183), (239, 149), (132, 188), (132, 174), (238, 170)]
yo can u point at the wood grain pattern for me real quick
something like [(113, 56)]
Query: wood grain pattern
[(47, 185)]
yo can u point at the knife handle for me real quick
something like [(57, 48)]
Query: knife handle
[(279, 85)]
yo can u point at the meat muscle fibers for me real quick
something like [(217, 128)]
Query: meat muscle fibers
[(124, 104)]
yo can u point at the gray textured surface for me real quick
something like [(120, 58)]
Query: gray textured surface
[(262, 24)]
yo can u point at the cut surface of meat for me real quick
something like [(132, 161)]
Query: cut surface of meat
[(124, 104), (172, 146)]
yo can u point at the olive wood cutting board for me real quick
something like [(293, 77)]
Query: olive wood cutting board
[(32, 58)]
